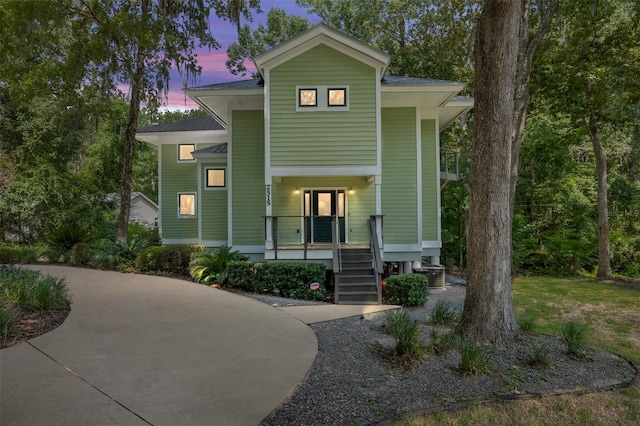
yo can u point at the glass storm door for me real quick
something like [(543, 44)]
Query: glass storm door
[(320, 206)]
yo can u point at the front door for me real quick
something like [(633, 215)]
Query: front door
[(320, 207)]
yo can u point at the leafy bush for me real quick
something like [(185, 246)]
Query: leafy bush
[(406, 333), (62, 241), (170, 259), (288, 279), (574, 334), (407, 289), (214, 264), (475, 359), (80, 254), (10, 255), (444, 314), (25, 289)]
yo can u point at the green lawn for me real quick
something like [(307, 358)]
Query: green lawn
[(612, 312)]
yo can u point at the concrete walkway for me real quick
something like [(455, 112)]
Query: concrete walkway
[(139, 349)]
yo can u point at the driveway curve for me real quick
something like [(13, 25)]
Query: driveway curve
[(140, 349)]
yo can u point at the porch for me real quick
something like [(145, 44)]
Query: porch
[(357, 267)]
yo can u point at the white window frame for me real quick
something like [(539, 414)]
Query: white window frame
[(206, 178), (189, 160), (322, 98), (195, 205)]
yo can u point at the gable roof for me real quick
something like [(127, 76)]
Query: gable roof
[(322, 34)]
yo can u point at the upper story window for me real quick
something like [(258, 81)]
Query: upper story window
[(307, 97), (184, 152), (337, 97), (215, 178), (322, 98)]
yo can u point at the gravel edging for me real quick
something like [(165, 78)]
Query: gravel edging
[(350, 384)]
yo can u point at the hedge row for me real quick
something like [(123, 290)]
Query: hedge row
[(288, 279), (407, 289), (169, 260)]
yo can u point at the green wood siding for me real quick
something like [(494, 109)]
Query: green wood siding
[(214, 207), (177, 177), (321, 138), (360, 203), (247, 177), (399, 176), (430, 181)]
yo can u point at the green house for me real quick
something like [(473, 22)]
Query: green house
[(324, 158)]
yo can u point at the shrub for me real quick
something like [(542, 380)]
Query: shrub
[(444, 314), (10, 255), (574, 334), (213, 265), (62, 241), (288, 279), (170, 259), (242, 275), (539, 356), (441, 343), (406, 333), (407, 289), (475, 359), (25, 289), (80, 254)]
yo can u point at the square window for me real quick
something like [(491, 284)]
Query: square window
[(215, 178), (184, 152), (337, 97), (186, 204), (307, 97)]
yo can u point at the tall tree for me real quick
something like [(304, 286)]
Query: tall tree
[(136, 44), (532, 31), (589, 71), (488, 314)]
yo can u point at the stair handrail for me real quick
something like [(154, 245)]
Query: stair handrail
[(337, 249), (375, 245)]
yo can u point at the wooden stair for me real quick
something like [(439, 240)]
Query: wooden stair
[(357, 284)]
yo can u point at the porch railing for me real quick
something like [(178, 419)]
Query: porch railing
[(375, 238), (449, 164), (302, 232)]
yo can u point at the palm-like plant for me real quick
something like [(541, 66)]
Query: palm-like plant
[(213, 265)]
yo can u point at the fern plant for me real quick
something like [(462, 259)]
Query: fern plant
[(213, 265)]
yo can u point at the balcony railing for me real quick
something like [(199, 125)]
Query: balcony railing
[(448, 164)]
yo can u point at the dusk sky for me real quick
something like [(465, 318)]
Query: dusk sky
[(213, 62)]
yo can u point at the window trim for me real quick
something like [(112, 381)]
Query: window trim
[(206, 178), (300, 90), (188, 160), (322, 98), (329, 89), (195, 206)]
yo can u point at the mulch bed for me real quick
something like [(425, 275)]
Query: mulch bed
[(30, 324)]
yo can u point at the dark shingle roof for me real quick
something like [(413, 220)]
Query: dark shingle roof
[(186, 125), (397, 80), (214, 149), (256, 83)]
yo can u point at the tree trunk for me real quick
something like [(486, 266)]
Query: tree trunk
[(488, 314), (528, 43), (604, 255), (129, 144)]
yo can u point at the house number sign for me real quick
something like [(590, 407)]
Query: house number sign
[(268, 195)]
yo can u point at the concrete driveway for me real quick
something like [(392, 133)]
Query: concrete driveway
[(138, 350)]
